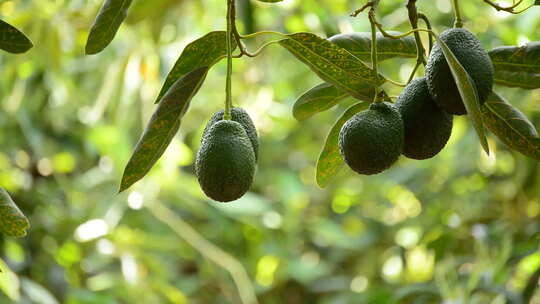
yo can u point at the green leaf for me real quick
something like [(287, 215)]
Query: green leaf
[(108, 20), (467, 91), (511, 126), (205, 51), (12, 221), (537, 2), (162, 127), (517, 66), (317, 99), (12, 40), (359, 44), (332, 63), (330, 160)]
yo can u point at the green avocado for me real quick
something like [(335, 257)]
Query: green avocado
[(472, 57), (241, 116), (372, 140), (225, 164), (427, 126)]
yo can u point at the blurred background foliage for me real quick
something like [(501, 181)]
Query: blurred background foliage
[(462, 227)]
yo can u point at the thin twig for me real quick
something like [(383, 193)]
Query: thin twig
[(206, 248), (508, 9)]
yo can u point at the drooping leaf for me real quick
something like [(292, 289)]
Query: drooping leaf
[(162, 127), (359, 44), (330, 160), (511, 126), (517, 66), (108, 21), (12, 221), (467, 91), (332, 63), (205, 51), (318, 99), (12, 40)]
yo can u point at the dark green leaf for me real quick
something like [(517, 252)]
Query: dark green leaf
[(12, 40), (330, 160), (467, 91), (359, 44), (162, 126), (537, 2), (332, 63), (110, 17), (12, 221), (205, 51), (517, 66), (511, 126), (317, 99)]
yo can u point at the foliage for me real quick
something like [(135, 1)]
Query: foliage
[(460, 227)]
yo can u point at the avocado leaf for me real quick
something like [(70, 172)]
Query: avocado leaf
[(330, 160), (162, 126)]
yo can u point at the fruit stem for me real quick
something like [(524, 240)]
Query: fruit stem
[(413, 19), (228, 87), (458, 22), (374, 59)]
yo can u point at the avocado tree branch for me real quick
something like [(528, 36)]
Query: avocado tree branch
[(413, 19), (206, 248), (509, 9), (424, 18)]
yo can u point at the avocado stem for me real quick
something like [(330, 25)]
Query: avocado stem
[(458, 23), (228, 86)]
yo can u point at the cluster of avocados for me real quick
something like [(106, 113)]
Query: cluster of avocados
[(419, 124), (226, 162)]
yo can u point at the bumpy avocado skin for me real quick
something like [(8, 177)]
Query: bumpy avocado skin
[(472, 57), (427, 126), (225, 163), (241, 116), (372, 140)]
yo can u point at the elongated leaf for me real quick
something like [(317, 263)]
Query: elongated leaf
[(332, 63), (12, 40), (205, 51), (108, 21), (467, 91), (517, 66), (12, 221), (317, 99), (359, 44), (162, 127), (511, 126), (330, 160)]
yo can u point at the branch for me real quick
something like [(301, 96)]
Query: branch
[(207, 249)]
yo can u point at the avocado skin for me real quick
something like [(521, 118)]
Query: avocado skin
[(225, 164), (241, 116), (427, 126), (472, 57), (372, 140)]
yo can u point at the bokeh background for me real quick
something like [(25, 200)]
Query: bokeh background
[(462, 227)]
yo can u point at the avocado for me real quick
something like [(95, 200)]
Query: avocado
[(427, 126), (241, 116), (472, 57), (372, 140), (225, 164)]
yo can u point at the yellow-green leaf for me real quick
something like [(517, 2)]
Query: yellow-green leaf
[(359, 44), (330, 160), (517, 66), (108, 21), (332, 63), (205, 51), (467, 91), (12, 221), (12, 40), (318, 99), (511, 126), (162, 127)]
